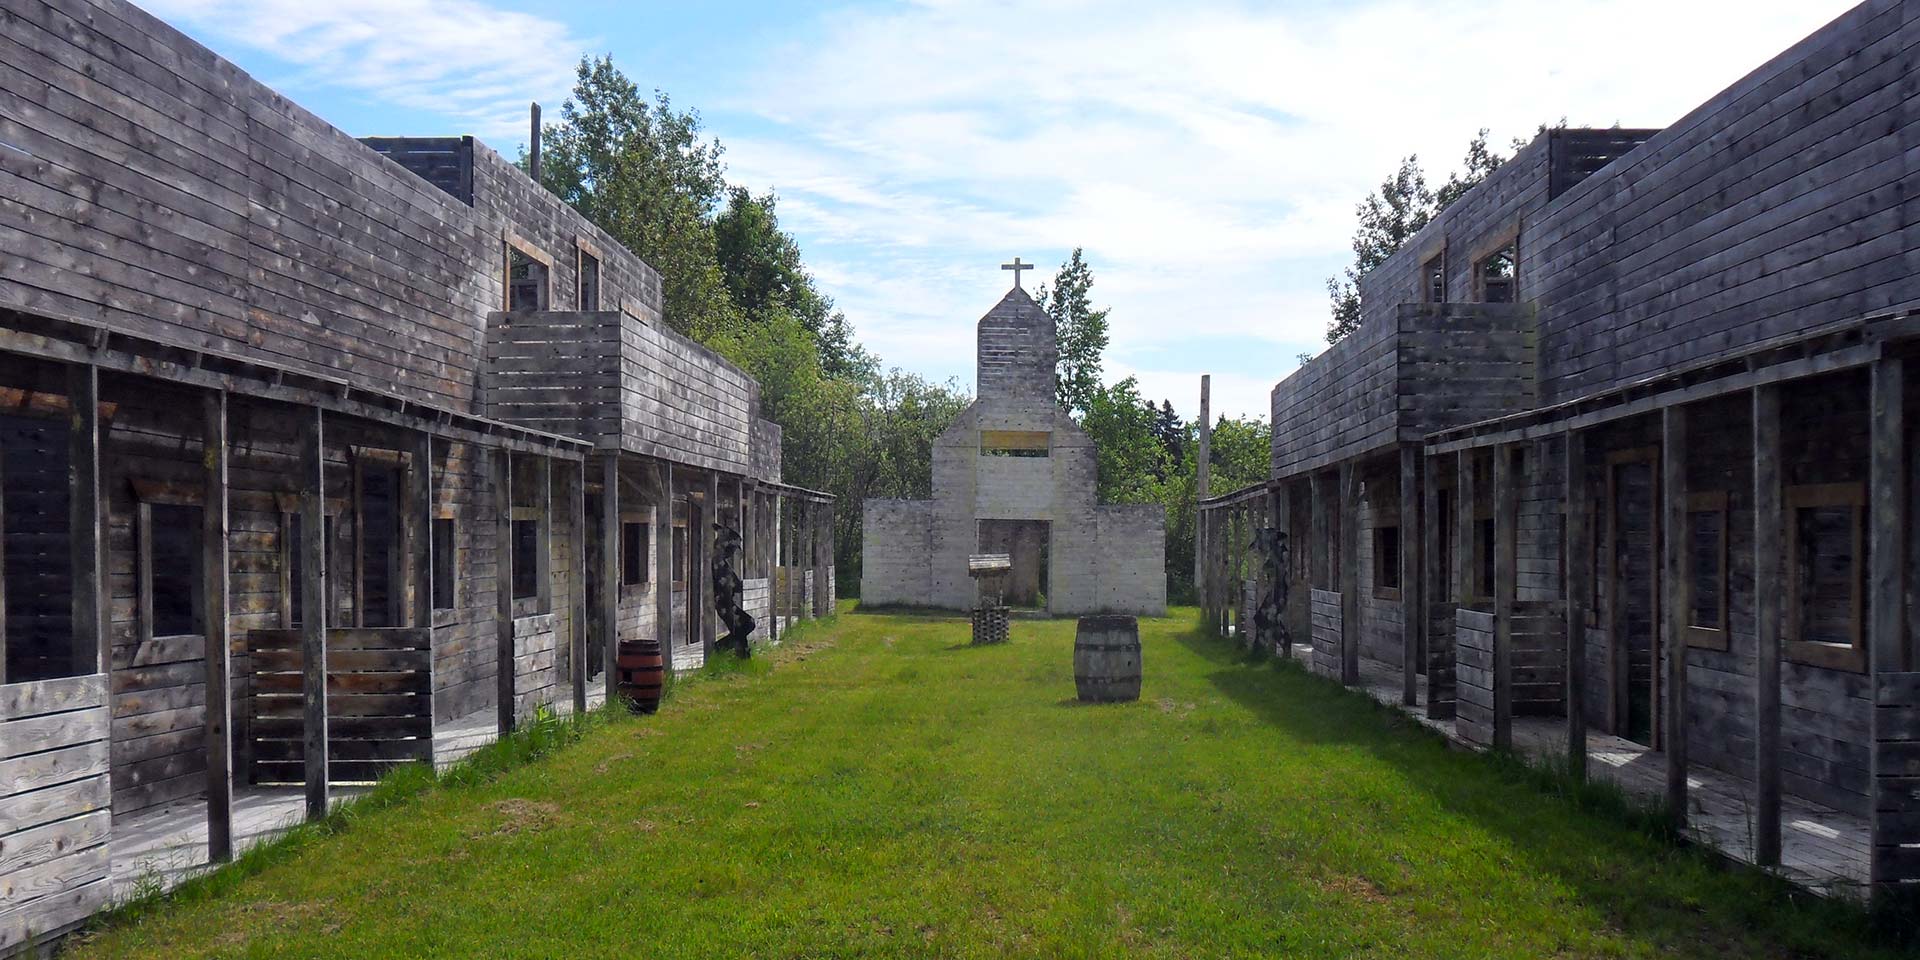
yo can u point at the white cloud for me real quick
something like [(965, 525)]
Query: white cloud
[(461, 59), (1208, 156)]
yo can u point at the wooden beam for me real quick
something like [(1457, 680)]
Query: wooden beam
[(1886, 638), (1677, 598), (577, 589), (823, 561), (420, 544), (663, 551), (1281, 507), (87, 522), (1578, 593), (709, 517), (612, 562), (314, 604), (1349, 574), (1412, 607), (1506, 508), (1319, 553), (503, 591), (1769, 599), (1466, 535), (219, 649), (1203, 466), (1433, 566)]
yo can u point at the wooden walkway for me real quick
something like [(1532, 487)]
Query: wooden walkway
[(1821, 849)]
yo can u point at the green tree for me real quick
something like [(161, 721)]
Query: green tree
[(1082, 333), (641, 171), (1480, 163), (764, 275), (1130, 457), (1389, 215)]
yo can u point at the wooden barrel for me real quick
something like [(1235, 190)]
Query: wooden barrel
[(1106, 659), (640, 672)]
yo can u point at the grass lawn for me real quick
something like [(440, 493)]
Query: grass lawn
[(881, 789)]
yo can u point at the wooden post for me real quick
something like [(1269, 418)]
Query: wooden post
[(577, 588), (1433, 567), (823, 561), (1203, 469), (420, 546), (214, 576), (1319, 553), (1891, 758), (803, 566), (773, 533), (87, 522), (1281, 503), (1465, 534), (503, 591), (1349, 574), (663, 551), (313, 604), (1412, 606), (1769, 599), (709, 616), (612, 561), (1506, 503), (1677, 598), (1578, 594)]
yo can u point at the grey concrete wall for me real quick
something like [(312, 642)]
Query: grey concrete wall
[(897, 552)]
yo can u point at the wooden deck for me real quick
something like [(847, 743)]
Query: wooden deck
[(1821, 849)]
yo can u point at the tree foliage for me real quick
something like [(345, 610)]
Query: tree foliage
[(1081, 331), (1391, 215)]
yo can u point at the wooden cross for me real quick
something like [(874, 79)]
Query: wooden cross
[(1016, 266)]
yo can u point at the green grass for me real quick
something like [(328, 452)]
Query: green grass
[(880, 788)]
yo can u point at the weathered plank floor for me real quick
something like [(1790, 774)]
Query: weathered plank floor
[(1822, 849)]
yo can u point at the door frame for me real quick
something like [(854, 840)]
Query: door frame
[(1618, 658)]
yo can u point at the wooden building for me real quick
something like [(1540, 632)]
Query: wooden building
[(309, 441), (1619, 462)]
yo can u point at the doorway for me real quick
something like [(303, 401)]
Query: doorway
[(1027, 542), (1634, 539)]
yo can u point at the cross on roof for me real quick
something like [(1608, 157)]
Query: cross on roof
[(1016, 266)]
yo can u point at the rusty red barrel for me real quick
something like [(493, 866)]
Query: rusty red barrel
[(640, 672)]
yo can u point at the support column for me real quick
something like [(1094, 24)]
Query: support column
[(1676, 599), (1434, 575), (823, 562), (1203, 470), (1769, 604), (577, 588), (1896, 690), (709, 617), (215, 572), (663, 550), (1578, 594), (503, 591), (1349, 574), (773, 534), (1280, 502), (612, 561), (1320, 545), (87, 522), (1506, 502), (420, 544), (313, 604), (1412, 608)]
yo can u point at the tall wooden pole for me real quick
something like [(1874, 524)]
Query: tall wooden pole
[(1578, 593), (612, 561), (1677, 597), (87, 522), (663, 591), (1887, 654), (1412, 616), (1769, 599), (577, 587), (1349, 574), (1505, 523), (214, 577), (503, 591), (1203, 469), (313, 604), (709, 616), (1433, 572)]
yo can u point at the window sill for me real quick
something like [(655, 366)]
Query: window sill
[(1386, 593), (1832, 656)]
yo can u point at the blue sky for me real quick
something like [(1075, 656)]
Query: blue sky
[(1206, 154)]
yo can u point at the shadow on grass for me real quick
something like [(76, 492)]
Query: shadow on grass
[(1665, 897)]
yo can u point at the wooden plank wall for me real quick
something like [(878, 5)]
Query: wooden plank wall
[(1441, 659), (1780, 202), (1539, 658), (379, 703), (1896, 787), (1473, 675), (537, 673), (1325, 605), (159, 189), (54, 798), (1462, 362)]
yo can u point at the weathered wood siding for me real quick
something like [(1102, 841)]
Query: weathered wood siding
[(1782, 202), (54, 799), (379, 703), (1473, 675), (1326, 631)]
